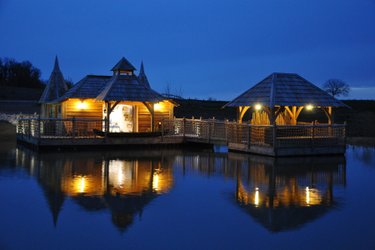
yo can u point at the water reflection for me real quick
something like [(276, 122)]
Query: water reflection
[(285, 193), (122, 182), (281, 194)]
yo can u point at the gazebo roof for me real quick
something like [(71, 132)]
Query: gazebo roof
[(56, 86), (285, 89)]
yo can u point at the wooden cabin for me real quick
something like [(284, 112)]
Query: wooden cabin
[(123, 102)]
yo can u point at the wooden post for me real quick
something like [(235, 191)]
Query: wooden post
[(39, 129), (209, 131), (29, 127), (248, 136), (162, 130), (73, 126), (313, 134), (183, 126)]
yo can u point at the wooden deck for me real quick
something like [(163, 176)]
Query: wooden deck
[(264, 140)]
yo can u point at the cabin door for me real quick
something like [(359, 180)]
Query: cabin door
[(122, 119)]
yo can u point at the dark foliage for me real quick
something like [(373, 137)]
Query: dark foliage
[(206, 109), (19, 74), (336, 87)]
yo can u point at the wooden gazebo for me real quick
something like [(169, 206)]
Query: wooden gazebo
[(280, 98), (276, 104)]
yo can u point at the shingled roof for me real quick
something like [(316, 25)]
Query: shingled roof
[(285, 89), (89, 87), (56, 86), (114, 88), (123, 65), (128, 87)]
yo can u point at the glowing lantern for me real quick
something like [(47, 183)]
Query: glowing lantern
[(309, 107), (82, 105), (157, 106), (258, 106)]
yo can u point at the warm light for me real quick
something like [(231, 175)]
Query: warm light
[(158, 106), (258, 106), (82, 105), (309, 107), (256, 198), (155, 181), (307, 196), (82, 185)]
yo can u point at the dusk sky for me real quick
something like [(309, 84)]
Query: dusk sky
[(202, 48)]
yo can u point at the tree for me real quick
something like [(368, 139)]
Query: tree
[(19, 74), (336, 87)]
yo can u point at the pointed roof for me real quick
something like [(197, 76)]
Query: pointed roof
[(285, 89), (128, 87), (56, 85), (123, 65), (142, 77), (114, 88)]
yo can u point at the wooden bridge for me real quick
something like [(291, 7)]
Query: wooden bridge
[(306, 139)]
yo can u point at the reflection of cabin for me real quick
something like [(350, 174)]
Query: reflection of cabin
[(124, 102), (123, 182), (285, 193)]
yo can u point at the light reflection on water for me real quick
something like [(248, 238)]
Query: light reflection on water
[(278, 194)]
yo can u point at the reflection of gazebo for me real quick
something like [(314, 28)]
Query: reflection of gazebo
[(275, 104), (286, 193)]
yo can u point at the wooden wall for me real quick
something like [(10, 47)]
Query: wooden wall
[(166, 112), (144, 118), (93, 109)]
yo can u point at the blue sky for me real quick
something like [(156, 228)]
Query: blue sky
[(202, 48)]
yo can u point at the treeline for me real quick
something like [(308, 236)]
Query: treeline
[(19, 74)]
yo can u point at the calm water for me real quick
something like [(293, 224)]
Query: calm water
[(174, 199)]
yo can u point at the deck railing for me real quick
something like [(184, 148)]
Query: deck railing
[(212, 130), (55, 128), (207, 131)]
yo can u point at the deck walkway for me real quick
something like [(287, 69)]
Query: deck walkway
[(266, 140)]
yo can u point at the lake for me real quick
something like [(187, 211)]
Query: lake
[(186, 199)]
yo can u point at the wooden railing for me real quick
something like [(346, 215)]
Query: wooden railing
[(54, 128), (199, 130), (212, 130)]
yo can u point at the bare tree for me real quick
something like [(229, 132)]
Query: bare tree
[(336, 87)]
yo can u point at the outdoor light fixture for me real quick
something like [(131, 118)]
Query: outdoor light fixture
[(82, 105), (258, 106), (309, 107), (157, 106)]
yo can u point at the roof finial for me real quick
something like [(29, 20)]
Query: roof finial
[(142, 77), (142, 70), (56, 67)]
